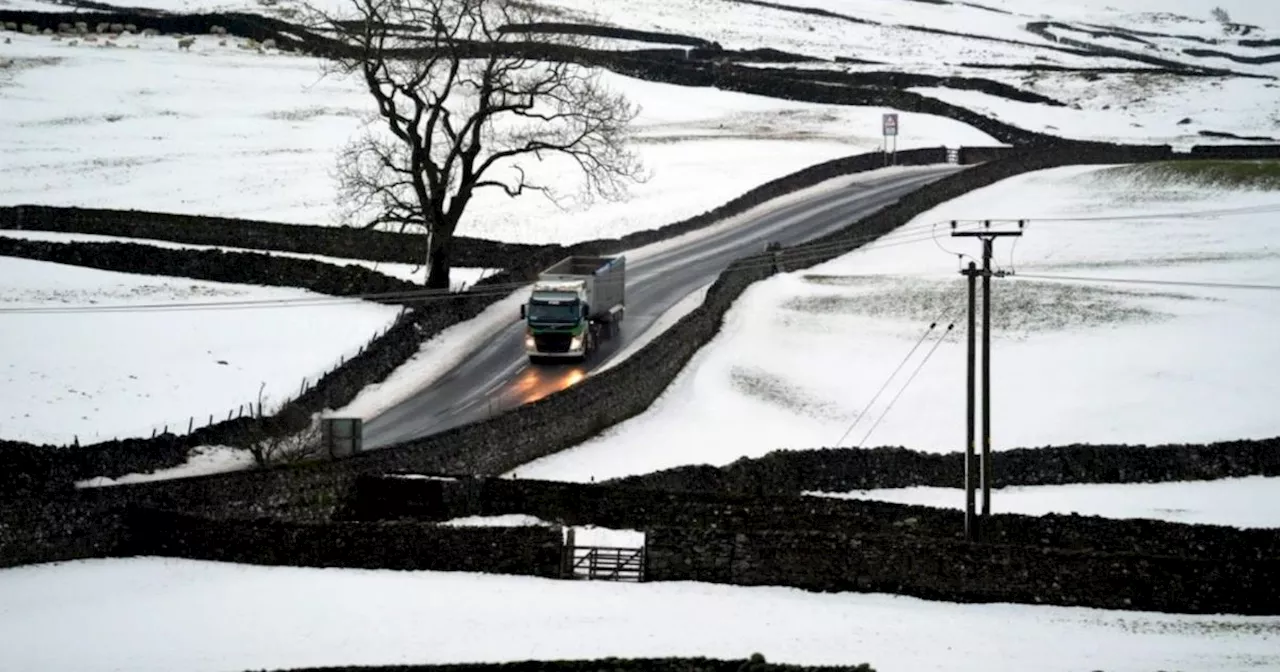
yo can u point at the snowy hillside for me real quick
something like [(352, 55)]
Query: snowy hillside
[(130, 370), (803, 354), (153, 614), (124, 128), (264, 145)]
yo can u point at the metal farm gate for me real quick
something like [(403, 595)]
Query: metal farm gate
[(602, 563)]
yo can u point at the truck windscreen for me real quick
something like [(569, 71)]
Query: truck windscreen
[(549, 312)]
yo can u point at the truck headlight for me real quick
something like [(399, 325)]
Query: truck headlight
[(528, 343), (576, 343)]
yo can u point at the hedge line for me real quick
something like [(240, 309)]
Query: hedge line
[(843, 470)]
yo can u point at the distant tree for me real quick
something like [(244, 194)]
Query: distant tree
[(465, 105), (291, 436)]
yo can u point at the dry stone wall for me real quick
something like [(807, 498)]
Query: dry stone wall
[(956, 571), (340, 242), (843, 470), (532, 550)]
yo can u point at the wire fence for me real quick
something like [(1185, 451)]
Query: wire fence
[(256, 404)]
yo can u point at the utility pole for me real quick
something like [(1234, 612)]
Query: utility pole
[(987, 236), (970, 471)]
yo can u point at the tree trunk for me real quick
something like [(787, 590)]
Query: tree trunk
[(438, 275)]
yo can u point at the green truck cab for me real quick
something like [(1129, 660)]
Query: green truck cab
[(576, 303)]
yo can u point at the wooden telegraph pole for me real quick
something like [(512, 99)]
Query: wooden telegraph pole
[(987, 236)]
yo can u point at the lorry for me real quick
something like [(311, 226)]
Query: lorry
[(577, 302)]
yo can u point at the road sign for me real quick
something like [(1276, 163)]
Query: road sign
[(890, 124)]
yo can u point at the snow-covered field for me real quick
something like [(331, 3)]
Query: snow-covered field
[(265, 144), (1140, 107), (158, 129), (157, 614), (459, 277), (1248, 502), (103, 375), (803, 353)]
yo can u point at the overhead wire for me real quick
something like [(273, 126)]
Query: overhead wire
[(946, 314), (1141, 281), (918, 369), (885, 385), (1177, 214)]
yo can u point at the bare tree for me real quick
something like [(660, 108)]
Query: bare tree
[(464, 106), (291, 436)]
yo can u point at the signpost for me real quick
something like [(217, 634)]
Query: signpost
[(342, 437), (889, 128)]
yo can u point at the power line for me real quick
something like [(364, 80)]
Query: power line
[(907, 384), (1138, 281), (1177, 214), (888, 380)]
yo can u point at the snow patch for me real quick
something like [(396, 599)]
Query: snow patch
[(88, 616), (204, 460)]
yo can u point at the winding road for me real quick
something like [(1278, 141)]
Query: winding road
[(498, 377)]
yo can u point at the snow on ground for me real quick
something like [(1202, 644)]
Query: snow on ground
[(148, 614), (1193, 17), (584, 535), (802, 354), (446, 350), (264, 146), (204, 460), (1112, 107), (903, 35), (1238, 502), (436, 357), (1138, 108), (459, 277), (509, 520), (103, 375), (664, 322)]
